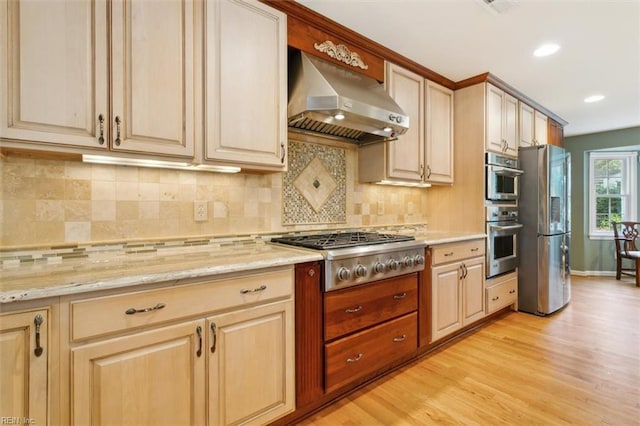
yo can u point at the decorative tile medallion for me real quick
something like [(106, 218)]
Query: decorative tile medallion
[(314, 187)]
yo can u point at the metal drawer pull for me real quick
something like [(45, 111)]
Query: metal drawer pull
[(214, 331), (101, 121), (38, 322), (132, 311), (255, 290), (475, 249), (400, 338), (118, 121), (399, 296), (495, 298), (511, 291), (449, 254), (356, 359), (199, 332), (353, 310)]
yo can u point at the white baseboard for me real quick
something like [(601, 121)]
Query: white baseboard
[(593, 273)]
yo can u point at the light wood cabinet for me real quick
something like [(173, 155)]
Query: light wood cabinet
[(185, 354), (245, 84), (501, 121), (149, 378), (439, 133), (424, 154), (250, 357), (24, 378), (119, 77), (533, 126), (457, 277), (502, 291)]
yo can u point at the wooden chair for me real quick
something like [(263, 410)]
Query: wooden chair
[(626, 237)]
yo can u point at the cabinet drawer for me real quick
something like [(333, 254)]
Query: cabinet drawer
[(453, 252), (365, 352), (108, 314), (502, 294), (352, 309)]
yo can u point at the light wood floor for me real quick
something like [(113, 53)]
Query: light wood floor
[(578, 366)]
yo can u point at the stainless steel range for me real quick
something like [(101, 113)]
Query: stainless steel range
[(353, 258)]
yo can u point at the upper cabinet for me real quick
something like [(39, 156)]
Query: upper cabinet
[(57, 86), (439, 133), (245, 84), (533, 126), (502, 121), (556, 133), (424, 154)]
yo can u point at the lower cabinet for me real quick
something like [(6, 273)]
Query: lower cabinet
[(502, 291), (458, 296), (216, 352), (250, 358), (149, 378), (24, 346)]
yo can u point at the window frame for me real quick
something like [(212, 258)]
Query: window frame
[(630, 170)]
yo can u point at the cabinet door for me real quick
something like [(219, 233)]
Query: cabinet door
[(439, 134), (495, 100), (540, 125), (153, 78), (23, 367), (473, 288), (53, 71), (251, 370), (151, 378), (246, 84), (510, 131), (446, 300), (405, 155), (526, 126)]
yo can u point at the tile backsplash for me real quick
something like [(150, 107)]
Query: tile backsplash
[(50, 202)]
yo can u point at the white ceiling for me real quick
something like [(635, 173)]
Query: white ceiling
[(599, 39)]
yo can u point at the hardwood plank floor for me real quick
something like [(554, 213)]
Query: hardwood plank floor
[(578, 366)]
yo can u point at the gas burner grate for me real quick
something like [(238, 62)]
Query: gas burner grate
[(341, 240)]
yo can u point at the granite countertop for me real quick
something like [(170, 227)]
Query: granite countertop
[(37, 280), (101, 271)]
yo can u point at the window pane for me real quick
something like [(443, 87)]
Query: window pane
[(602, 205), (601, 188), (616, 206), (600, 168), (602, 222), (614, 168), (615, 186)]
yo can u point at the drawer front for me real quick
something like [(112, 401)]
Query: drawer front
[(457, 251), (108, 314), (352, 309), (365, 352), (501, 295)]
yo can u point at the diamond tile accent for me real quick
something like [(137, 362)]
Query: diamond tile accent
[(315, 184)]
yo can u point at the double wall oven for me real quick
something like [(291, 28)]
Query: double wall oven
[(501, 206)]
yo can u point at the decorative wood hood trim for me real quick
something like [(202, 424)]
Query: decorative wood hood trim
[(364, 46), (496, 81)]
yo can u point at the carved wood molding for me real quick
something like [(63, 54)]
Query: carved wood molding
[(341, 53)]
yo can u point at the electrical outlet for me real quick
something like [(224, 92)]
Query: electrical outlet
[(200, 211), (380, 208)]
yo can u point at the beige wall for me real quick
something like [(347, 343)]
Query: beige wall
[(46, 202)]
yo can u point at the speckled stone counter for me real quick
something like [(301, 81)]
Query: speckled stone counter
[(34, 280)]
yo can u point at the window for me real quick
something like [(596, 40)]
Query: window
[(612, 190)]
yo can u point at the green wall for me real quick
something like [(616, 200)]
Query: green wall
[(592, 256)]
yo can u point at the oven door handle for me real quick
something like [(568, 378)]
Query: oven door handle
[(500, 228), (505, 171)]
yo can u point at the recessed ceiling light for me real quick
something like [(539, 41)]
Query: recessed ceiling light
[(593, 98), (546, 50)]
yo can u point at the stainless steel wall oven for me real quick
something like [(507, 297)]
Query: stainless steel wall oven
[(501, 178), (502, 239)]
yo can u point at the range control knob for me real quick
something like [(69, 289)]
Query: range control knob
[(343, 274), (360, 271), (378, 268), (392, 264), (419, 259), (408, 261)]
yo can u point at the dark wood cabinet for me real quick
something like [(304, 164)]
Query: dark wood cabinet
[(556, 133)]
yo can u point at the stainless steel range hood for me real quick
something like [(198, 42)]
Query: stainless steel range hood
[(332, 100)]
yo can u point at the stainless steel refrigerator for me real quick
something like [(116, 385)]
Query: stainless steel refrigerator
[(544, 281)]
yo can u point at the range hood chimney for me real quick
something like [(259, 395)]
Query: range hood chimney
[(332, 100)]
